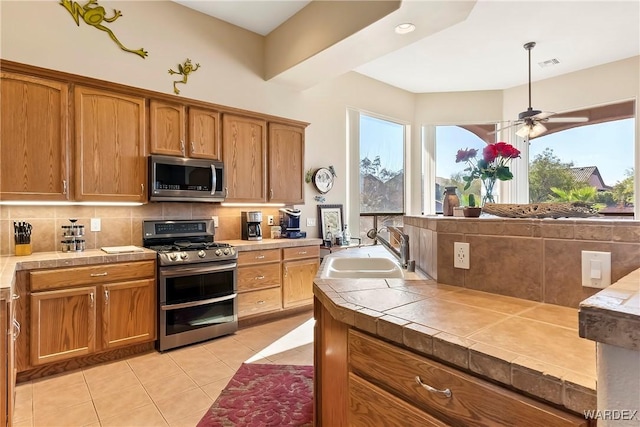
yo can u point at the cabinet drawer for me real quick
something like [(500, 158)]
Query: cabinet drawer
[(250, 303), (301, 252), (259, 276), (255, 257), (369, 404), (472, 401), (91, 275)]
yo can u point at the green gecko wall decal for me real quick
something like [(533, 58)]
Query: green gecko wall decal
[(94, 16), (184, 70)]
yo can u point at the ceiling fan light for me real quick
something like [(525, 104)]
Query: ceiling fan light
[(531, 130)]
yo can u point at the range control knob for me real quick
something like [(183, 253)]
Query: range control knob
[(231, 251), (218, 252), (202, 253), (173, 256), (226, 251), (184, 255)]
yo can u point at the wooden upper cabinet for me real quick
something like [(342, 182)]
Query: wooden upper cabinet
[(168, 131), (286, 164), (110, 146), (167, 128), (244, 158), (34, 138), (204, 134)]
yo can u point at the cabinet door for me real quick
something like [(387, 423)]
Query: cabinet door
[(204, 134), (63, 324), (244, 157), (297, 281), (34, 138), (167, 128), (110, 146), (286, 164), (128, 313), (5, 330)]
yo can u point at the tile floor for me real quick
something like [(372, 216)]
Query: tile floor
[(170, 389)]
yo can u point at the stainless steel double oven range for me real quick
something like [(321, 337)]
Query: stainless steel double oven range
[(197, 277)]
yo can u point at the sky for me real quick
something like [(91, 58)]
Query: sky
[(609, 146), (382, 138)]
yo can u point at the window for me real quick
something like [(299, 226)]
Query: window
[(448, 140), (382, 173), (592, 161)]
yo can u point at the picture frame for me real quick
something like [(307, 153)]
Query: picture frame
[(329, 215)]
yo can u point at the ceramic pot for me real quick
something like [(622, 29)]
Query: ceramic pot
[(472, 212), (450, 200)]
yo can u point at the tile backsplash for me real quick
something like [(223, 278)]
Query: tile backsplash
[(119, 225)]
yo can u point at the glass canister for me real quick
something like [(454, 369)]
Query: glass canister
[(450, 200)]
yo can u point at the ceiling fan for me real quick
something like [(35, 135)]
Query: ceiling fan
[(532, 119)]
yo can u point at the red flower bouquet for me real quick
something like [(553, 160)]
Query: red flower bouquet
[(493, 165)]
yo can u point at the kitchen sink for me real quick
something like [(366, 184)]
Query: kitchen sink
[(356, 268)]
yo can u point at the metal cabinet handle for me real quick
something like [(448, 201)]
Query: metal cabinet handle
[(106, 297), (16, 329), (226, 191), (193, 148), (259, 256), (446, 392), (271, 194), (15, 296), (286, 271), (259, 277), (91, 299), (142, 189), (182, 147), (64, 186), (99, 274), (302, 252), (260, 302)]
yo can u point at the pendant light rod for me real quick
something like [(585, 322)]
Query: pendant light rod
[(529, 46)]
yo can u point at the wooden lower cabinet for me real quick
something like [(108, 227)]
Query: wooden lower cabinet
[(259, 286), (63, 324), (5, 331), (299, 268), (258, 302), (102, 312), (380, 379)]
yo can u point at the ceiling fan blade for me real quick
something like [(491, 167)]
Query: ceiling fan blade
[(543, 115), (503, 128), (568, 120)]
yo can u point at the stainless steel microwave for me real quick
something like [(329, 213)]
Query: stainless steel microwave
[(179, 179)]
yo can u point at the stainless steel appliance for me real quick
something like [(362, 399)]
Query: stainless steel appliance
[(185, 180), (251, 228), (290, 224), (197, 277)]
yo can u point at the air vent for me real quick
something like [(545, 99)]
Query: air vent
[(548, 63)]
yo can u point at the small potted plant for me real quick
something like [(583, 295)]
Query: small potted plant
[(472, 211)]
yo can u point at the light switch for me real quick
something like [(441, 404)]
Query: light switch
[(596, 269), (95, 224)]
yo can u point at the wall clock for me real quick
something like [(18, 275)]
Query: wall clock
[(323, 180)]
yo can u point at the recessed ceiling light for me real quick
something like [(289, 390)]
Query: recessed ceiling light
[(405, 28)]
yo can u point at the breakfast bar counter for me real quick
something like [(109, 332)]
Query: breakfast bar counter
[(530, 347)]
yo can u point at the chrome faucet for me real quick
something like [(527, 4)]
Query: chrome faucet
[(403, 253)]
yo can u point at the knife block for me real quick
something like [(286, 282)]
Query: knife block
[(23, 249)]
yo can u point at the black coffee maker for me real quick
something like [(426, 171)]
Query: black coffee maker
[(290, 224), (251, 229)]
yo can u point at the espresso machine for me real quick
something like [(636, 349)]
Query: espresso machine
[(290, 223), (251, 229)]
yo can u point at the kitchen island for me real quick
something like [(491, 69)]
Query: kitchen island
[(501, 358)]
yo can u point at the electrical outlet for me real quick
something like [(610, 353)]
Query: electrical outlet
[(461, 255), (95, 224), (215, 221), (269, 219), (596, 269), (311, 222)]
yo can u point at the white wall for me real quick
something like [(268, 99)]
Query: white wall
[(44, 34)]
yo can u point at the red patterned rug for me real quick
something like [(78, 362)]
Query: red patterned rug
[(264, 395)]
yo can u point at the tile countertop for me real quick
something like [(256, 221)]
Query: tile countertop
[(530, 346), (612, 316), (255, 245), (10, 264)]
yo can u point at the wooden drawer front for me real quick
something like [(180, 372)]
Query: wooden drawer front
[(250, 303), (301, 252), (369, 405), (258, 277), (255, 257), (472, 401), (91, 275)]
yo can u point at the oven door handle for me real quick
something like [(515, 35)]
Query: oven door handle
[(197, 303), (178, 271)]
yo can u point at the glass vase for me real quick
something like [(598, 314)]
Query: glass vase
[(487, 196)]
